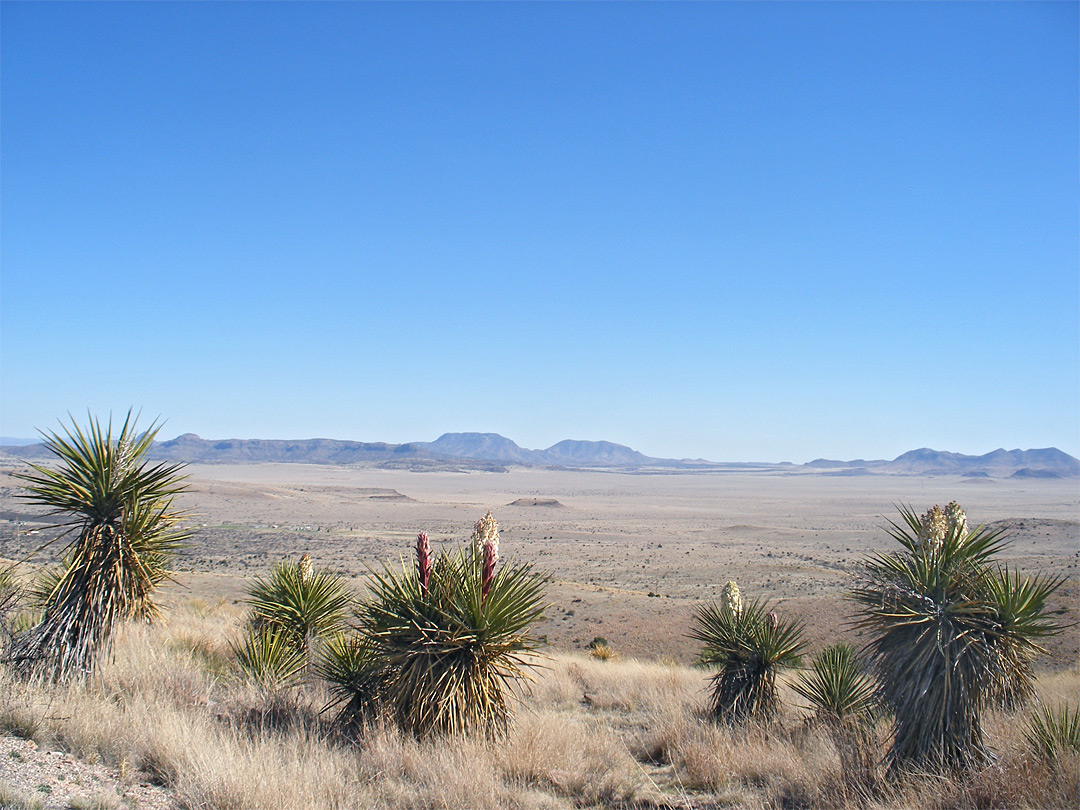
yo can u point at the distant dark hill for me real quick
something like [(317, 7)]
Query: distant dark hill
[(998, 463), (1027, 472), (489, 446), (596, 454)]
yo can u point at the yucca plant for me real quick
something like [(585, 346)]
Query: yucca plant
[(748, 644), (450, 636), (837, 689), (1050, 734), (951, 632), (10, 591), (349, 666), (844, 700), (269, 658), (125, 530), (302, 603)]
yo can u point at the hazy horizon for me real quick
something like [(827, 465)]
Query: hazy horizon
[(762, 232)]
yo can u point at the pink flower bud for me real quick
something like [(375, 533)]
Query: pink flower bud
[(423, 561), (491, 556)]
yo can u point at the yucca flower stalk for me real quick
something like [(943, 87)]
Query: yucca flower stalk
[(748, 648), (121, 513), (423, 561), (447, 656), (951, 632)]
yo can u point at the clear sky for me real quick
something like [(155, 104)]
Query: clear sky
[(758, 231)]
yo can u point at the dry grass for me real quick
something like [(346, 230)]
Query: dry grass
[(590, 733)]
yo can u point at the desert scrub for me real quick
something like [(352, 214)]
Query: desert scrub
[(951, 633), (119, 509), (444, 641), (748, 644)]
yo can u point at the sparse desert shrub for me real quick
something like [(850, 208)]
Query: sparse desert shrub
[(602, 652), (120, 509), (449, 637), (1051, 734), (16, 799), (951, 632), (749, 644)]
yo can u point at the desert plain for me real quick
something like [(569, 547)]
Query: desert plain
[(629, 555)]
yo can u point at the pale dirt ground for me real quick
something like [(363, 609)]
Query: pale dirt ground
[(58, 779), (616, 539)]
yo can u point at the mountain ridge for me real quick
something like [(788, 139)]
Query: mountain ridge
[(494, 452)]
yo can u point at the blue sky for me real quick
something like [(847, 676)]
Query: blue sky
[(732, 231)]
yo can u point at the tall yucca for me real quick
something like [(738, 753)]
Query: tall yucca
[(951, 632), (447, 639), (120, 510), (749, 644)]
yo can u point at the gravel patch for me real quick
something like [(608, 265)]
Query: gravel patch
[(36, 777)]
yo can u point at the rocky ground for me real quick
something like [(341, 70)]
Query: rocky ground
[(32, 776)]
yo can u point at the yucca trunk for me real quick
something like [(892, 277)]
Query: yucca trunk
[(104, 584)]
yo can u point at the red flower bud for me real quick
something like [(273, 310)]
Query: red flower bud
[(423, 561)]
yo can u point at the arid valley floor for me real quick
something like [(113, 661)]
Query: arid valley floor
[(629, 555)]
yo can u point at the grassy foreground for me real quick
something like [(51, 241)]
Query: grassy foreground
[(590, 733)]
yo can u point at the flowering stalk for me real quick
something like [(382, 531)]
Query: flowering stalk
[(306, 568), (731, 598), (486, 531), (423, 561), (491, 556)]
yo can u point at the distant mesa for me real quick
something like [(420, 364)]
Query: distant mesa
[(550, 503), (379, 494)]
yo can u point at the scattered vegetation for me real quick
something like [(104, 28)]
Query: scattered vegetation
[(120, 511), (951, 634), (748, 644)]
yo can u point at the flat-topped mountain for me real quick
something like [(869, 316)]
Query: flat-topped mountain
[(490, 451)]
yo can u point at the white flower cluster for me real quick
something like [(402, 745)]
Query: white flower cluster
[(938, 523), (731, 598), (307, 569), (485, 532)]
